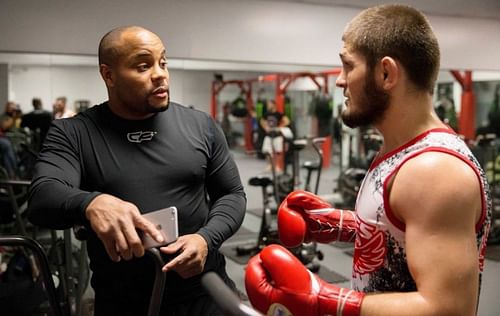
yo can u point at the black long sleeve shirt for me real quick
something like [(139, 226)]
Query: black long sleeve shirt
[(175, 158)]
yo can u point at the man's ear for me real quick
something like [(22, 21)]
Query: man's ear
[(106, 74), (389, 73)]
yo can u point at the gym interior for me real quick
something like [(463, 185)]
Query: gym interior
[(228, 58)]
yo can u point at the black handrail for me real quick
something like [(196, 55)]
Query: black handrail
[(41, 256), (226, 299), (159, 283)]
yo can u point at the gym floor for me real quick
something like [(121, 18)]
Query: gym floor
[(336, 258)]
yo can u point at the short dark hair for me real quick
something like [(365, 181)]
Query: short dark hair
[(62, 99), (400, 32), (37, 103)]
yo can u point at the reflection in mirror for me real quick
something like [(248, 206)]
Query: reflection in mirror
[(449, 91), (48, 76)]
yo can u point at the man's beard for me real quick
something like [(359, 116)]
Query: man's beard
[(370, 108), (156, 109)]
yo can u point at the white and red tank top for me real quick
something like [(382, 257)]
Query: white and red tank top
[(379, 263)]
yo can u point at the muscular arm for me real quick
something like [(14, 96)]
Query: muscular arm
[(437, 197), (228, 200), (227, 209), (55, 199)]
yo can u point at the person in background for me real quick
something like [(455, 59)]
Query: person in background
[(60, 109), (134, 154), (272, 122), (423, 211), (7, 150), (13, 110), (38, 121), (337, 127)]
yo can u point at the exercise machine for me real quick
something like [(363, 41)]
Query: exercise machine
[(228, 302), (39, 269), (40, 266), (314, 165), (67, 260), (349, 180), (274, 189)]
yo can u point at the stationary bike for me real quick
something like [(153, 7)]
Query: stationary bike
[(350, 179), (275, 188)]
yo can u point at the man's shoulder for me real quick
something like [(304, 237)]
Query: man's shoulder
[(91, 114), (188, 111), (38, 113), (27, 115), (96, 109), (181, 107), (436, 172)]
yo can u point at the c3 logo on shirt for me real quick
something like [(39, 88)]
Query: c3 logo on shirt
[(139, 137)]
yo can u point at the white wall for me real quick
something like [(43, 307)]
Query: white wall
[(50, 82), (191, 88), (250, 31), (188, 87)]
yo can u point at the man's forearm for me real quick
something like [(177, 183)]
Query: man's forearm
[(54, 205), (224, 219)]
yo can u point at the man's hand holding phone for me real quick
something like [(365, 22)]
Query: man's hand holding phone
[(165, 221), (116, 223)]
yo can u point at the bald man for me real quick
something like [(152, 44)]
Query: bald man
[(136, 153)]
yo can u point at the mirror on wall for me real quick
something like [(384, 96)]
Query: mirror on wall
[(485, 85), (48, 76), (24, 76)]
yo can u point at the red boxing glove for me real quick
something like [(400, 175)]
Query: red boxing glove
[(304, 217), (277, 283)]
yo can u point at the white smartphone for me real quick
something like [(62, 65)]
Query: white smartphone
[(166, 222)]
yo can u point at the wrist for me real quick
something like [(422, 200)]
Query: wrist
[(202, 240), (327, 225), (339, 301), (85, 206), (205, 237)]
